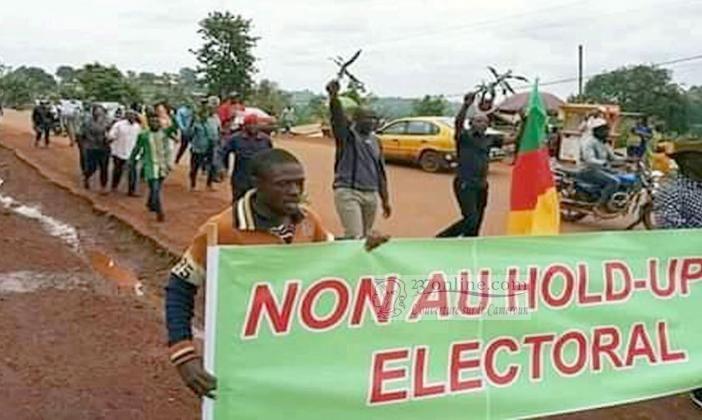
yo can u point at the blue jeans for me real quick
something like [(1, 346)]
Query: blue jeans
[(154, 200), (607, 181)]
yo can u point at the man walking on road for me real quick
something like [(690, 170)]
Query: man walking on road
[(245, 145), (42, 121), (184, 119), (203, 137), (154, 148), (270, 214), (359, 168), (123, 136), (96, 146), (470, 185)]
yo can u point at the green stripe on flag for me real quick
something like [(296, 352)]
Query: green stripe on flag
[(534, 133)]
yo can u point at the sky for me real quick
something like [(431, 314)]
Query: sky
[(410, 47)]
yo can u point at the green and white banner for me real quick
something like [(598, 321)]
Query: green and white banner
[(453, 329)]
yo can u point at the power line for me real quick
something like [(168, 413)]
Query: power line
[(575, 79), (473, 25)]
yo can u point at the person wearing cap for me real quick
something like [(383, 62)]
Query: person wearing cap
[(591, 118), (359, 168), (154, 148), (245, 144), (123, 136), (678, 203), (470, 185), (597, 156)]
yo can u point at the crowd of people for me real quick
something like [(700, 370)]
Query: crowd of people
[(147, 141), (267, 183)]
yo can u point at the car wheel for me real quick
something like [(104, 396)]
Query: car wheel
[(430, 161)]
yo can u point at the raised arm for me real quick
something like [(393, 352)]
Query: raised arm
[(339, 124), (460, 120)]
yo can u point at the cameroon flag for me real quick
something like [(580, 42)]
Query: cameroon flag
[(534, 201)]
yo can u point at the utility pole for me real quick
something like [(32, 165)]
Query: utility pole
[(580, 71)]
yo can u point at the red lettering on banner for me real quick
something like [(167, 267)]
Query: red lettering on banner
[(366, 293), (515, 288), (653, 279), (536, 361), (568, 276), (309, 319), (667, 355), (608, 348), (380, 375), (690, 271), (611, 268), (263, 303), (583, 280), (457, 365), (434, 297), (508, 344), (464, 305), (558, 353), (639, 345), (421, 388)]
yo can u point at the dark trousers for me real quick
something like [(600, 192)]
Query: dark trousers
[(608, 182), (118, 166), (153, 202), (201, 161), (42, 132), (81, 157), (97, 159), (472, 201), (184, 142)]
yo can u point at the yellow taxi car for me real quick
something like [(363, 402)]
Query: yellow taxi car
[(427, 141)]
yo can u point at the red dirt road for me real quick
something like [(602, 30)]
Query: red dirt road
[(74, 345), (423, 203), (84, 350)]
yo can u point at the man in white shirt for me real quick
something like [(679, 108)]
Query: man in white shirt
[(123, 136)]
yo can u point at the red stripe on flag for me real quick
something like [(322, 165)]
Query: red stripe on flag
[(531, 177)]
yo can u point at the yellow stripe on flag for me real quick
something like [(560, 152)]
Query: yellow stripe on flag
[(543, 219)]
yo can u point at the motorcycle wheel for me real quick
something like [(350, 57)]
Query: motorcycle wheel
[(570, 215)]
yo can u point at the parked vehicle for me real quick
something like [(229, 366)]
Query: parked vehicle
[(427, 141), (579, 198)]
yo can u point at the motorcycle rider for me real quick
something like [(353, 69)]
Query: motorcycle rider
[(597, 157)]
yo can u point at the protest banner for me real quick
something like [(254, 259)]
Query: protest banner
[(452, 329)]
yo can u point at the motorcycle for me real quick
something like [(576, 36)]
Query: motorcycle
[(579, 198)]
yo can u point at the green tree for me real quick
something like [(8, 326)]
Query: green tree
[(694, 99), (103, 83), (226, 57), (270, 98), (188, 77), (642, 88), (430, 106), (66, 74), (21, 86)]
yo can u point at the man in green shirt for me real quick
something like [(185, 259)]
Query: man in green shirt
[(154, 148)]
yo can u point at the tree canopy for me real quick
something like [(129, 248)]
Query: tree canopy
[(645, 89), (430, 106), (226, 57)]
